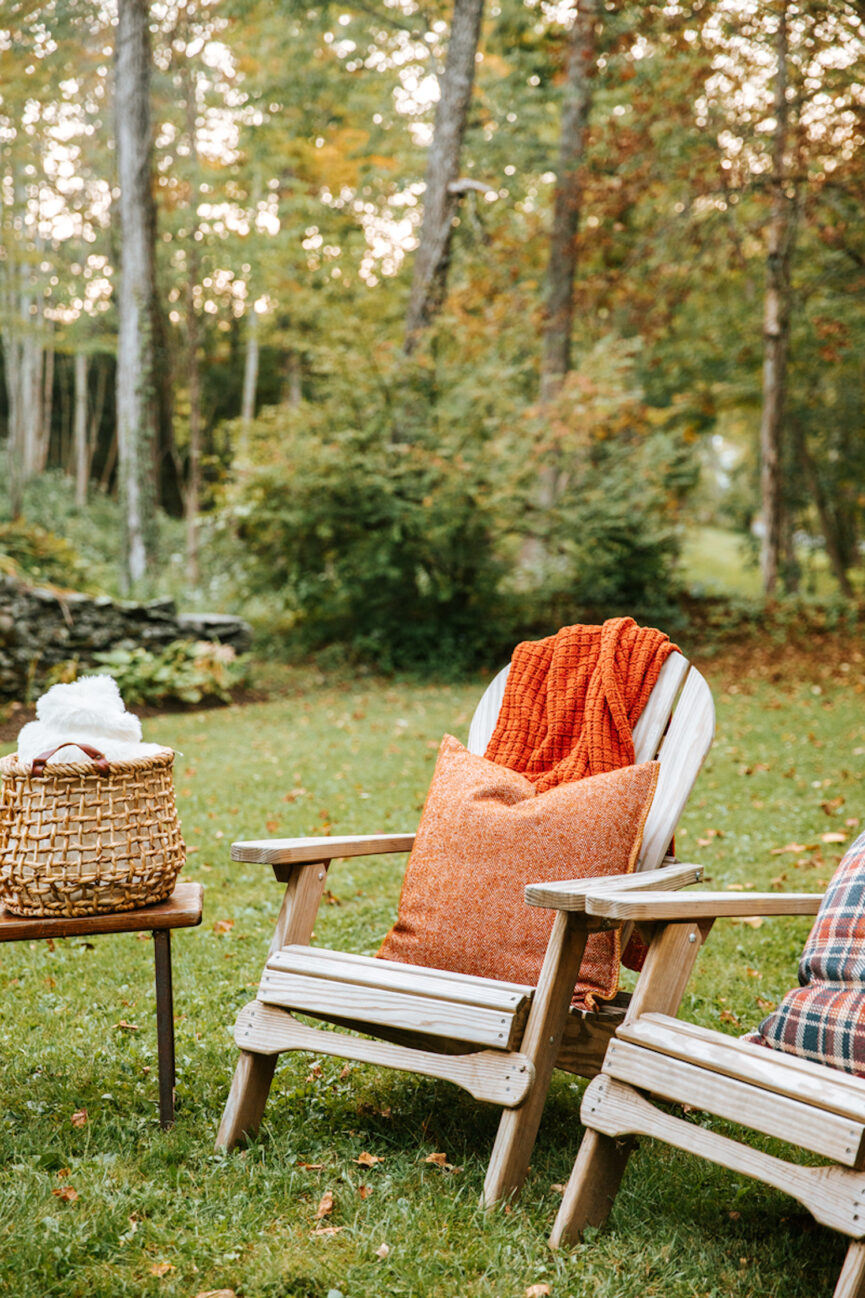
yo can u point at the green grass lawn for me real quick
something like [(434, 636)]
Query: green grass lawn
[(161, 1213)]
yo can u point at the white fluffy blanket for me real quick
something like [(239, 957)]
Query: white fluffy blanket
[(90, 711)]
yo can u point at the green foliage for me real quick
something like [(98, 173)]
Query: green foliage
[(396, 519), (616, 472), (377, 534), (187, 670), (38, 556)]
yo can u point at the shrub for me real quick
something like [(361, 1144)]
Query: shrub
[(38, 556), (187, 670), (384, 546)]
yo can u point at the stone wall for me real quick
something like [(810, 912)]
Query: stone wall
[(41, 628)]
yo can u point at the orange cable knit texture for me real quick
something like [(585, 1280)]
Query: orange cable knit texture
[(571, 701)]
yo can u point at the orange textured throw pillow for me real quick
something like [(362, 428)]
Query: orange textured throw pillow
[(484, 834)]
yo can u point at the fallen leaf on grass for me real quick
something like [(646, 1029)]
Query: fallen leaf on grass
[(364, 1191), (440, 1160), (727, 1016), (161, 1268), (67, 1193), (764, 1005), (753, 921), (216, 1293), (328, 1230), (537, 1290), (311, 1167), (557, 1188), (832, 804), (127, 1027), (382, 1251), (223, 926), (325, 1205), (793, 847), (833, 836), (370, 1160)]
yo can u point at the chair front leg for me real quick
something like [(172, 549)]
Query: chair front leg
[(601, 1160), (254, 1072), (542, 1038)]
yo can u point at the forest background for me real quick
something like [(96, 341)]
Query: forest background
[(407, 329)]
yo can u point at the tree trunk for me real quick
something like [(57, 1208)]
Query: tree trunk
[(250, 369), (82, 458), (830, 524), (137, 398), (776, 323), (193, 272), (561, 268), (441, 197), (47, 406), (293, 385)]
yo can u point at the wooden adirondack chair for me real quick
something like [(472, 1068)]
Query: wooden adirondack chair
[(500, 1041), (655, 1054)]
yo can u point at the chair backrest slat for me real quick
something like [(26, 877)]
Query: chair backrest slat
[(655, 717), (685, 745), (487, 713)]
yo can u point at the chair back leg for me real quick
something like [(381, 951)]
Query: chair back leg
[(592, 1187)]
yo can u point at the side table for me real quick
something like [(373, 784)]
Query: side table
[(181, 910)]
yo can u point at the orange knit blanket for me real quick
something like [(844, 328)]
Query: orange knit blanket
[(571, 700)]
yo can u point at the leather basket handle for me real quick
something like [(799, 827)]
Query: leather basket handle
[(100, 761)]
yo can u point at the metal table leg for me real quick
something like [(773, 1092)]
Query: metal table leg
[(164, 1025)]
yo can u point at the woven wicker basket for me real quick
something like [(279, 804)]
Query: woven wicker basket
[(83, 838)]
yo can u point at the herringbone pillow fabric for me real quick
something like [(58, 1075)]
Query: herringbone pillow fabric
[(824, 1018), (484, 834)]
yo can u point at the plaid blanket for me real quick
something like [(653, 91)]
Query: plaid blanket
[(824, 1018)]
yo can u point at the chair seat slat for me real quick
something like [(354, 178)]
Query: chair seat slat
[(771, 1070), (828, 1134)]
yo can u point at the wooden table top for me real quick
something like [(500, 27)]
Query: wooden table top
[(181, 910)]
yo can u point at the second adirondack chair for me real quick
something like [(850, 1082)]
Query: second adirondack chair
[(656, 1056), (500, 1041)]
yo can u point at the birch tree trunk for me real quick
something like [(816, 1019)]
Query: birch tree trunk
[(250, 369), (82, 458), (137, 402), (561, 268), (47, 405), (442, 194), (776, 322), (193, 268)]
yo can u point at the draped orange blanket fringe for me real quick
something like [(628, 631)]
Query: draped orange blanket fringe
[(571, 700)]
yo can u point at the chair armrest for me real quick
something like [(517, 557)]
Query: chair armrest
[(649, 906), (299, 851), (571, 894)]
